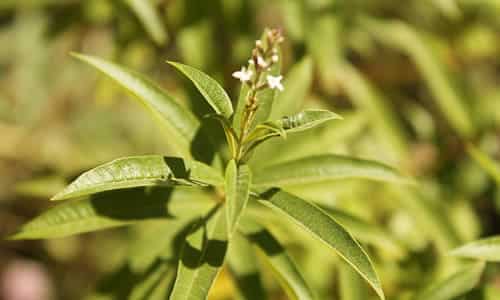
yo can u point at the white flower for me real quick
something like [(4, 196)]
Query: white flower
[(275, 58), (258, 43), (274, 82), (243, 75), (250, 62), (261, 62)]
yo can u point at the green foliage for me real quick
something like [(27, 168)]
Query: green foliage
[(112, 201)]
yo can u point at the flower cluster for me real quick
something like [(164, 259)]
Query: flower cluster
[(264, 55)]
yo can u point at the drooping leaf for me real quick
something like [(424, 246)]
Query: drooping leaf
[(181, 126), (238, 180), (113, 209), (455, 285), (326, 229), (215, 95), (136, 171), (280, 262), (487, 249), (202, 257), (243, 266), (297, 81), (150, 19), (323, 168)]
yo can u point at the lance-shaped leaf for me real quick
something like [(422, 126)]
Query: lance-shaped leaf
[(237, 192), (326, 229), (181, 125), (150, 19), (322, 168), (304, 120), (351, 285), (215, 95), (243, 266), (487, 249), (113, 209), (202, 257), (455, 285), (276, 257), (136, 171)]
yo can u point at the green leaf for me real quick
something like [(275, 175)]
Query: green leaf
[(202, 257), (155, 284), (322, 168), (306, 119), (265, 97), (112, 209), (326, 229), (488, 164), (487, 249), (136, 171), (181, 126), (243, 266), (238, 180), (215, 95), (455, 285), (297, 81), (280, 262), (150, 19), (351, 285)]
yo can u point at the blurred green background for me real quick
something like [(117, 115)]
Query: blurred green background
[(417, 81)]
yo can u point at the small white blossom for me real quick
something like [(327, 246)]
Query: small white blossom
[(243, 75), (258, 43), (275, 58), (261, 62), (274, 82), (250, 62)]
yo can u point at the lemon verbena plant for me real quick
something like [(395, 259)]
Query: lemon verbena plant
[(210, 204)]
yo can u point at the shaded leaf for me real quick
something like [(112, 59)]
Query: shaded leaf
[(488, 164), (202, 256), (322, 168), (280, 262), (326, 229), (243, 266), (215, 95), (136, 171), (238, 180), (487, 249), (112, 209), (181, 125)]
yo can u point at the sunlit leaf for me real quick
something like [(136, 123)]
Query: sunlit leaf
[(323, 168), (351, 285), (487, 249), (136, 171), (238, 179), (112, 209), (455, 285), (202, 257), (326, 229), (181, 125), (215, 95), (281, 264)]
